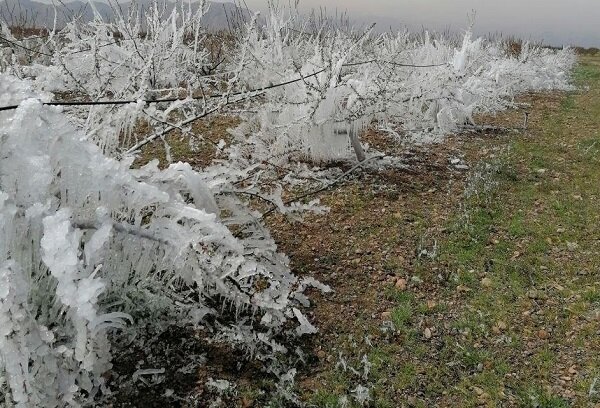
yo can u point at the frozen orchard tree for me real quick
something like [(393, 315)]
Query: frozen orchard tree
[(88, 245)]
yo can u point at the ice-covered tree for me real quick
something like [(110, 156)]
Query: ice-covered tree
[(89, 246)]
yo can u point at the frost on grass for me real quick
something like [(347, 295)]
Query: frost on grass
[(89, 246)]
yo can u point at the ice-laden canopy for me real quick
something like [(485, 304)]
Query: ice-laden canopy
[(89, 245), (423, 87)]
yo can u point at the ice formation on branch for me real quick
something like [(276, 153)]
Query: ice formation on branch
[(340, 80), (425, 87), (88, 246)]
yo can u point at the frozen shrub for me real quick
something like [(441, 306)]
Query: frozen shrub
[(88, 246)]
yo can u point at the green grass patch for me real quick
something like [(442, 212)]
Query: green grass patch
[(402, 315)]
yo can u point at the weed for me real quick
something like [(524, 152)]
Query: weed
[(401, 315), (592, 296)]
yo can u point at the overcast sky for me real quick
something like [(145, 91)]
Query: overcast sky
[(555, 21)]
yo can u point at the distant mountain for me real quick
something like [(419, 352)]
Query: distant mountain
[(30, 13)]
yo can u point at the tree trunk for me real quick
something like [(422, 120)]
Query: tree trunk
[(358, 149)]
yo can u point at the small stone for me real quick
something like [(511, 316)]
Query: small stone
[(501, 325), (321, 354), (401, 284), (386, 315), (478, 391), (427, 333), (572, 246), (486, 282), (431, 304), (543, 334), (416, 280), (462, 288)]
